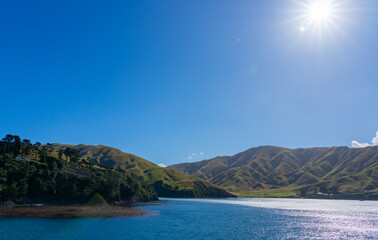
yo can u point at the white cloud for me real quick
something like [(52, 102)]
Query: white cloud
[(195, 155), (374, 142), (356, 144), (162, 165)]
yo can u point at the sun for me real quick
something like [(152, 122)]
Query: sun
[(319, 11), (318, 15), (323, 22)]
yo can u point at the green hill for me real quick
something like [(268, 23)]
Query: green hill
[(270, 171), (167, 182), (35, 173)]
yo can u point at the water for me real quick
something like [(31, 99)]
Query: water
[(214, 219)]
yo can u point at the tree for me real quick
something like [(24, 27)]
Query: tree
[(67, 152), (60, 154), (11, 145), (50, 147), (2, 148), (26, 147), (16, 146), (7, 141), (43, 153), (75, 155), (36, 148)]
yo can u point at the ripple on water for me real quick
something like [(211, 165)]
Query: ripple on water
[(214, 219)]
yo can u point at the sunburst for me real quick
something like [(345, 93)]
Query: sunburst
[(318, 14), (320, 19)]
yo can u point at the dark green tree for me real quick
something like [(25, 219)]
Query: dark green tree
[(67, 152), (36, 149), (26, 147), (60, 154)]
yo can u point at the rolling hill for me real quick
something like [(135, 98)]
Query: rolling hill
[(167, 182), (276, 171)]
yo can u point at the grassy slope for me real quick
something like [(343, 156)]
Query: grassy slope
[(281, 172), (167, 181)]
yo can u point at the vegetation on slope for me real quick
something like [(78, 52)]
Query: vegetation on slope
[(269, 171), (167, 182), (32, 173)]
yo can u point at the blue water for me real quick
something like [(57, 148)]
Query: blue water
[(214, 219)]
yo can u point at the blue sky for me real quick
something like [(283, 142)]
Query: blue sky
[(168, 80)]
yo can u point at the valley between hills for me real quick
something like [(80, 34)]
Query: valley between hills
[(80, 173), (266, 171)]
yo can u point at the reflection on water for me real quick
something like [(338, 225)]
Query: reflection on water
[(341, 217), (215, 219)]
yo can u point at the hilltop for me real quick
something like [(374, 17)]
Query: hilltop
[(35, 173), (167, 182), (68, 174), (270, 171)]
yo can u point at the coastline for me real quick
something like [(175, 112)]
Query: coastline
[(334, 197), (70, 211)]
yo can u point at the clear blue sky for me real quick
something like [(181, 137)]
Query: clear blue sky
[(165, 79)]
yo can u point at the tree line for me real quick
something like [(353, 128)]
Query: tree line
[(14, 146), (61, 176)]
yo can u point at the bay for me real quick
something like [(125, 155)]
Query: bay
[(248, 218)]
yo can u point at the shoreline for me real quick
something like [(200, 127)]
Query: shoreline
[(374, 198), (70, 211)]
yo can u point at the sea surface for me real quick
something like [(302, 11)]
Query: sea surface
[(214, 219)]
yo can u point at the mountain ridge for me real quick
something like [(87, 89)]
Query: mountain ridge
[(167, 182), (334, 170)]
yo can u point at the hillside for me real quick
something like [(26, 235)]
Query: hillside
[(30, 173), (277, 171), (167, 182)]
